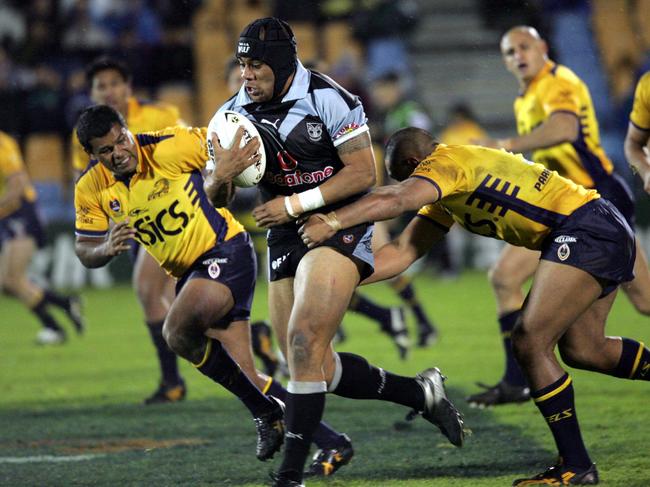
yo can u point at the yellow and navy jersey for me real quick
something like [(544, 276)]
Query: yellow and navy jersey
[(141, 117), (557, 89), (640, 115), (498, 194), (11, 162), (164, 200)]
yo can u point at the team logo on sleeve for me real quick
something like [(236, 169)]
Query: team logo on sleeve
[(115, 206), (348, 239), (349, 128), (563, 252), (315, 131)]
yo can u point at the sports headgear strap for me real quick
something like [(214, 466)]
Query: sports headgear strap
[(271, 41)]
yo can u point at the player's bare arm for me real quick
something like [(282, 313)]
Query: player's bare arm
[(395, 257), (561, 127), (638, 154), (14, 188), (382, 203), (97, 252), (228, 164), (357, 175)]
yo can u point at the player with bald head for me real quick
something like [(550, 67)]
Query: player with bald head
[(586, 248), (557, 124)]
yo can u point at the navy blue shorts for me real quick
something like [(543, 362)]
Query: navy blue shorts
[(23, 222), (617, 191), (286, 249), (597, 239), (232, 263)]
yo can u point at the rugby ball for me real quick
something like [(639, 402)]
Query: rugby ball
[(224, 124)]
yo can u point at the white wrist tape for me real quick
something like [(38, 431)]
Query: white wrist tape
[(312, 199), (289, 208)]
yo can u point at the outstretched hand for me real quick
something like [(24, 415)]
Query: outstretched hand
[(118, 238), (316, 230)]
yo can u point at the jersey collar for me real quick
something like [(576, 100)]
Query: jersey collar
[(547, 68), (297, 90)]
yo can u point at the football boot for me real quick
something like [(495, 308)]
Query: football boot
[(327, 461), (501, 393), (560, 474), (270, 430), (167, 393)]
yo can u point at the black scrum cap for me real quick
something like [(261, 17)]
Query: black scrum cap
[(271, 41)]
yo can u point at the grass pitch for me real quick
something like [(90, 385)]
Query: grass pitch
[(71, 415)]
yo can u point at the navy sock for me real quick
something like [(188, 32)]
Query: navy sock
[(557, 405), (221, 368), (635, 361), (513, 374), (404, 288), (361, 380), (166, 358), (303, 413), (363, 305), (46, 319), (56, 299), (324, 436)]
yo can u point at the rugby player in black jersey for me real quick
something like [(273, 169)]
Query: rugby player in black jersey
[(323, 161)]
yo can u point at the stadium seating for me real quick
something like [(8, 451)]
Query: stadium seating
[(44, 157), (180, 95)]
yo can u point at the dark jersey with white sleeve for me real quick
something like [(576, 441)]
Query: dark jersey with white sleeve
[(301, 133)]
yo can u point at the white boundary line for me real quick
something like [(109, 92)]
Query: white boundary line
[(50, 458)]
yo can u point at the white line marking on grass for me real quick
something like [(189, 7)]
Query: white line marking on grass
[(49, 458)]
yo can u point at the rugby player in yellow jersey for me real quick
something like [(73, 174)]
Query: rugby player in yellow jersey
[(638, 131), (557, 122), (21, 234), (587, 249), (150, 185), (110, 84)]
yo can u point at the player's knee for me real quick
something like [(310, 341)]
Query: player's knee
[(302, 344), (523, 344), (500, 279), (642, 306)]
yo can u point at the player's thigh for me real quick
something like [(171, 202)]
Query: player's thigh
[(280, 300), (586, 336), (16, 256), (201, 302), (324, 283), (559, 295), (514, 266), (149, 279)]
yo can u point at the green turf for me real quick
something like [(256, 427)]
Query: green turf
[(83, 398)]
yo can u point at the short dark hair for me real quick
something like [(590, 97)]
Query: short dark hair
[(96, 121), (105, 63), (403, 145)]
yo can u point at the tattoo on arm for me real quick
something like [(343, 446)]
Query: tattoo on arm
[(354, 144)]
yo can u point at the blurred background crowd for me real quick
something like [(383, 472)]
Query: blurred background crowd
[(434, 64)]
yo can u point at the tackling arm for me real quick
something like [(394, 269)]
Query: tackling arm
[(638, 154)]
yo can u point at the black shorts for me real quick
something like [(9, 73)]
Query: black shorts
[(597, 239), (617, 191), (23, 222), (286, 249), (232, 263)]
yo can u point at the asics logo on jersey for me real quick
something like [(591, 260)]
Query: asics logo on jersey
[(152, 230), (272, 124)]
